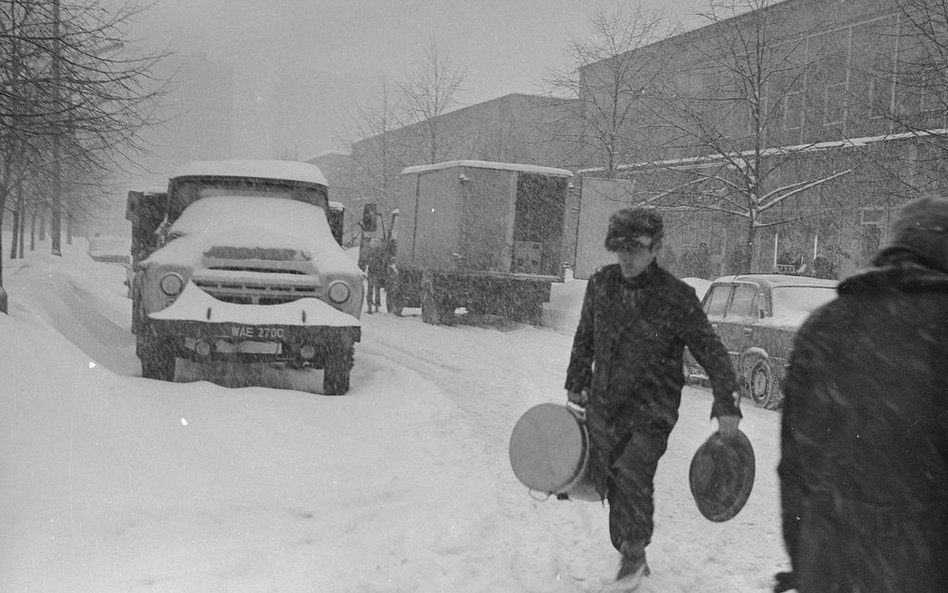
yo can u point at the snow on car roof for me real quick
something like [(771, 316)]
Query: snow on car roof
[(261, 169), (778, 280), (489, 165)]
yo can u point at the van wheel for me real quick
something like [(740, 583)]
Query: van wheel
[(336, 372), (430, 309), (761, 384)]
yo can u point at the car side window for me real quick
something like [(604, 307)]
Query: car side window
[(742, 303), (716, 302)]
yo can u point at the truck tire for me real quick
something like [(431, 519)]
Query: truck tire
[(157, 358), (336, 372)]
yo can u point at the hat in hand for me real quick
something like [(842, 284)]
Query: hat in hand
[(722, 475)]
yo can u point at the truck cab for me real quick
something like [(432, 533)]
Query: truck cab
[(238, 262)]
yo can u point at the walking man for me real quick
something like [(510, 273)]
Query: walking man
[(864, 441), (625, 369)]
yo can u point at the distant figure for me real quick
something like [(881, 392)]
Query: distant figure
[(625, 368), (864, 442), (703, 262), (822, 268), (376, 263)]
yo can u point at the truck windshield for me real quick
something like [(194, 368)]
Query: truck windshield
[(185, 192)]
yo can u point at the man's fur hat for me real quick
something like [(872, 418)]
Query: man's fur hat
[(628, 224), (921, 227)]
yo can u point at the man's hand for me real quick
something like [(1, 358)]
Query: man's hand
[(579, 398), (728, 425)]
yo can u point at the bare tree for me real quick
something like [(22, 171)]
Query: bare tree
[(609, 76), (73, 99), (69, 91), (908, 74), (376, 158), (428, 94), (733, 121)]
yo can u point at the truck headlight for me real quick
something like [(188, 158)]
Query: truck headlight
[(339, 292), (171, 283)]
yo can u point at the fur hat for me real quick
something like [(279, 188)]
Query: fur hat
[(628, 224), (921, 226)]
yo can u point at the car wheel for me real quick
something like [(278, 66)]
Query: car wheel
[(762, 384), (336, 372)]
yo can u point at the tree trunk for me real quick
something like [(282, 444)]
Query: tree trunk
[(22, 226), (15, 229), (33, 232)]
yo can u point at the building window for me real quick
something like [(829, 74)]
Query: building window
[(871, 230), (834, 104), (880, 96), (793, 111)]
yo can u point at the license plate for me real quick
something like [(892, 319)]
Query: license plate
[(257, 332)]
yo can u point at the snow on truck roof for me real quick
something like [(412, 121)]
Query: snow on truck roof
[(489, 165), (263, 169)]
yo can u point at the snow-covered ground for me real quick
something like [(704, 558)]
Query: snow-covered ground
[(114, 483)]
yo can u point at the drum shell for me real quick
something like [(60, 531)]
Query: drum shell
[(549, 452)]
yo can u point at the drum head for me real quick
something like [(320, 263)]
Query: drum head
[(548, 448), (722, 476)]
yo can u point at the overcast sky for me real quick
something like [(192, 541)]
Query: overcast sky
[(504, 45), (320, 58)]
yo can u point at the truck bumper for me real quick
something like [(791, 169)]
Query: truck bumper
[(296, 345)]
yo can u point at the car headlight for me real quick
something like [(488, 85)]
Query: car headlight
[(339, 292), (171, 284)]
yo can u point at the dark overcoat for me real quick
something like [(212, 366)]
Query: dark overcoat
[(627, 352), (864, 442)]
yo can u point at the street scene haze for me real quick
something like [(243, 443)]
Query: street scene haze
[(430, 296)]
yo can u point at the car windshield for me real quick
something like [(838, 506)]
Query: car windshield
[(790, 301)]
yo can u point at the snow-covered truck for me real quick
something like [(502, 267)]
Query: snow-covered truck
[(480, 235), (238, 262)]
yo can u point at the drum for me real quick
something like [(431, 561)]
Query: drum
[(549, 451)]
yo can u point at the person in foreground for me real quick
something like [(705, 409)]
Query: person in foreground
[(864, 437), (625, 369)]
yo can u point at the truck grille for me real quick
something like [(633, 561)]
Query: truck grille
[(251, 288)]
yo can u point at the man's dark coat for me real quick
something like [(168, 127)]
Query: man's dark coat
[(628, 350), (864, 467)]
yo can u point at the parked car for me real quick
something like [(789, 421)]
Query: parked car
[(110, 249), (757, 317)]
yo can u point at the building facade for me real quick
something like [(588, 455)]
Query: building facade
[(784, 138)]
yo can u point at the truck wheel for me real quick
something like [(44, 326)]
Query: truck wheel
[(158, 360), (336, 372)]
